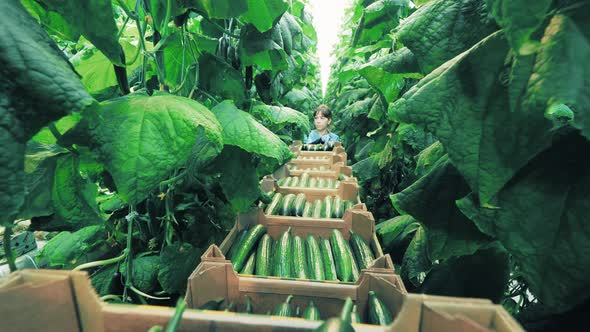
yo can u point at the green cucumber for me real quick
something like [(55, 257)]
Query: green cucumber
[(328, 260), (378, 312), (294, 182), (213, 304), (288, 205), (329, 183), (284, 309), (321, 183), (229, 307), (254, 234), (249, 266), (312, 312), (336, 184), (314, 259), (348, 205), (323, 168), (335, 325), (338, 208), (275, 205), (304, 180), (284, 253), (264, 256), (341, 258), (297, 311), (299, 205), (248, 309), (354, 265), (362, 252), (299, 258), (346, 311), (327, 208), (281, 182), (237, 243), (355, 317), (313, 183), (316, 211), (265, 199), (307, 210)]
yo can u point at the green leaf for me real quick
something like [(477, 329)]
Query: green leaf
[(378, 19), (431, 200), (180, 67), (68, 250), (387, 74), (483, 274), (239, 180), (177, 262), (562, 71), (416, 263), (142, 139), (442, 29), (103, 281), (51, 21), (95, 20), (540, 217), (465, 106), (262, 50), (263, 14), (28, 55), (367, 169), (394, 232), (97, 70), (428, 157), (220, 9), (145, 273), (519, 19), (242, 130), (45, 136), (220, 78), (282, 116), (300, 99)]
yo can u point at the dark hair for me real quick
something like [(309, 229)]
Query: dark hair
[(324, 110)]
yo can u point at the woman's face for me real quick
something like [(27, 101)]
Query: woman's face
[(321, 122)]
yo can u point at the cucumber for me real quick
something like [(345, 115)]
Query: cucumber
[(307, 210), (237, 243), (346, 311), (299, 258), (327, 208), (362, 252), (355, 317), (336, 184), (254, 234), (329, 183), (328, 260), (264, 256), (299, 205), (341, 258), (248, 309), (284, 253), (338, 208), (335, 325), (323, 168), (348, 205), (314, 259), (313, 183), (316, 211), (284, 309), (288, 205), (304, 180), (354, 265), (229, 307), (213, 304), (274, 206), (287, 182), (265, 199), (312, 312), (281, 182), (294, 182), (378, 312), (321, 183), (297, 311), (249, 266)]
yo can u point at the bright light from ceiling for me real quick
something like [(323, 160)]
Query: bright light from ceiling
[(328, 16)]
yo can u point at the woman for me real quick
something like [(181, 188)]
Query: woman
[(322, 118)]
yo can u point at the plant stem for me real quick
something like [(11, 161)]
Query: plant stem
[(100, 263), (222, 29), (8, 248), (138, 292), (110, 297), (130, 217)]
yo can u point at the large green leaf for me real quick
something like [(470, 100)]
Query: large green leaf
[(45, 136), (282, 116), (67, 250), (387, 74), (367, 169), (416, 263), (242, 130), (519, 19), (37, 86), (95, 20), (97, 70), (105, 280), (220, 78), (431, 200), (220, 9), (142, 139), (51, 21), (177, 262), (541, 219), (378, 18), (144, 274), (180, 67), (428, 158), (263, 14), (441, 29), (562, 71), (466, 107), (393, 233), (262, 50)]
